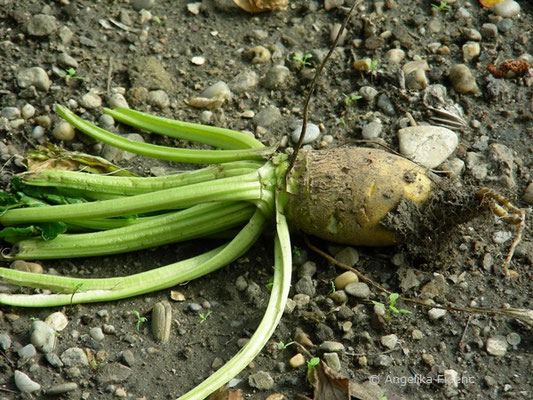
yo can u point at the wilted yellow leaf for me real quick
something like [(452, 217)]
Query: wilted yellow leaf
[(490, 3)]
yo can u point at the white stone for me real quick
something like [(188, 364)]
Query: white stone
[(507, 9), (57, 320), (24, 383), (496, 345), (428, 145), (389, 341), (311, 133), (91, 100), (436, 313), (198, 60)]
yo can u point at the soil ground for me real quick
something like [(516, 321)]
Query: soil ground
[(109, 37)]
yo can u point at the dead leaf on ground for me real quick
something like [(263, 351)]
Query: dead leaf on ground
[(490, 3), (225, 393), (257, 6), (329, 384)]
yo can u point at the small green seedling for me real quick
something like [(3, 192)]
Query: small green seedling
[(350, 99), (343, 122), (71, 74), (282, 346), (140, 320), (296, 251), (303, 60), (333, 288), (311, 364), (203, 317), (75, 290), (270, 283), (443, 6), (392, 309), (157, 20), (374, 65)]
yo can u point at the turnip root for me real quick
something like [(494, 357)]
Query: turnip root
[(344, 194)]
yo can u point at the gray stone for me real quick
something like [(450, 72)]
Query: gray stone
[(27, 351), (61, 388), (35, 76), (27, 111), (427, 145), (128, 358), (243, 82), (333, 361), (312, 132), (24, 383), (329, 346), (471, 34), (106, 121), (115, 155), (267, 116), (58, 321), (308, 269), (65, 35), (528, 194), (194, 307), (305, 286), (389, 341), (477, 165), (505, 25), (158, 98), (113, 373), (97, 334), (240, 283), (73, 357), (42, 25), (66, 61), (118, 100), (383, 361), (261, 380), (348, 256), (489, 31), (54, 360), (219, 89), (386, 106), (368, 93), (10, 113), (64, 131), (496, 345), (43, 336), (436, 313), (330, 4), (276, 77), (150, 73), (359, 290), (5, 341), (139, 5), (513, 339), (372, 130), (471, 51), (507, 9), (501, 237)]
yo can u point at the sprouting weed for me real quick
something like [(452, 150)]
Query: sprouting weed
[(71, 74), (270, 283), (303, 60), (296, 251), (343, 122), (374, 65), (283, 346), (442, 6), (333, 289), (392, 309), (203, 317), (157, 20), (140, 320), (311, 364), (350, 99)]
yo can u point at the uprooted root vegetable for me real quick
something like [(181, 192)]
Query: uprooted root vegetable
[(347, 195)]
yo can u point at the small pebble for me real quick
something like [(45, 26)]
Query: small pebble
[(27, 111), (372, 130), (471, 51), (118, 100), (58, 321), (501, 237), (428, 359), (348, 256), (395, 56), (427, 145), (471, 34), (276, 77), (5, 341), (462, 79), (259, 55), (44, 120), (297, 361), (528, 194), (308, 269), (62, 388), (358, 289), (43, 336), (177, 296), (194, 307), (505, 25), (91, 100), (389, 341), (362, 65), (128, 358), (436, 313), (333, 361), (386, 106), (36, 77), (368, 93), (267, 117), (158, 98), (74, 356), (417, 334), (331, 4), (24, 383), (66, 61), (106, 121), (339, 297), (121, 393), (198, 60), (194, 8), (243, 82), (383, 361), (489, 31), (311, 133), (97, 334), (507, 9), (42, 25), (496, 345), (54, 360), (514, 339), (10, 113), (344, 279), (27, 351), (305, 286), (261, 380), (139, 5), (329, 346), (64, 131)]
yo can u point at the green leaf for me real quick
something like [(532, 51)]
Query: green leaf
[(50, 230)]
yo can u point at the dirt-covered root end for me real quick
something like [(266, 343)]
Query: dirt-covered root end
[(344, 194)]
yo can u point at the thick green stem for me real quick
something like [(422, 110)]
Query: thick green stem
[(245, 187), (128, 186), (271, 318), (195, 222), (77, 290), (162, 152), (211, 135)]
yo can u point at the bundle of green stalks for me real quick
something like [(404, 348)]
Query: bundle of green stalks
[(342, 195)]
